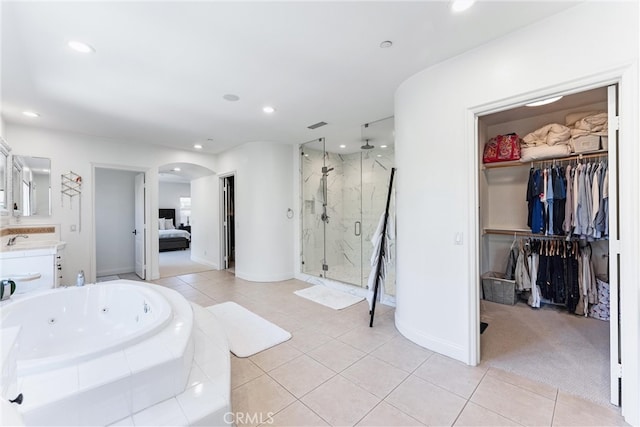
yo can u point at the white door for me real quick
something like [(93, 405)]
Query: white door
[(614, 249), (140, 230)]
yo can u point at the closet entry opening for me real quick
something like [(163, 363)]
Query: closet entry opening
[(228, 224), (548, 280)]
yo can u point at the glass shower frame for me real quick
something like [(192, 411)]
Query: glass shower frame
[(337, 221)]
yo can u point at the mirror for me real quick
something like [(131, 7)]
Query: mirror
[(31, 186), (4, 173)]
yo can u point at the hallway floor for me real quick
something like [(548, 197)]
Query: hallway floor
[(338, 371)]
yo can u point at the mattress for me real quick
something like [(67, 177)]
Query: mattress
[(166, 234)]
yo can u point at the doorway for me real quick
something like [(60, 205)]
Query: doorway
[(228, 223), (552, 330), (120, 224)]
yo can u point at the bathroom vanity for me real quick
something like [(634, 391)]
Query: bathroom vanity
[(34, 265)]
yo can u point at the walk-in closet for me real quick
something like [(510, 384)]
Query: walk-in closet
[(548, 224)]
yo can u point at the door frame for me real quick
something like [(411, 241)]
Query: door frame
[(223, 237), (475, 231), (91, 277), (140, 184)]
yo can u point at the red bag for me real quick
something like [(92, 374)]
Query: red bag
[(502, 148)]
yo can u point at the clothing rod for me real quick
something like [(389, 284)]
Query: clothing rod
[(558, 159), (524, 233)]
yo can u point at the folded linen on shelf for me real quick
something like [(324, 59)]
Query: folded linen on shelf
[(571, 118), (594, 123), (551, 134), (529, 154)]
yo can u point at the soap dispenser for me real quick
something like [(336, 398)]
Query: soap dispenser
[(80, 279)]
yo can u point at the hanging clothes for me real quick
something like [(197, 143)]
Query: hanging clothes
[(559, 199), (522, 276), (535, 192), (533, 260), (567, 224)]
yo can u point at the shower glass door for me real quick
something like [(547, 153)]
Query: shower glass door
[(343, 238)]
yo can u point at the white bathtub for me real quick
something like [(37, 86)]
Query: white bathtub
[(66, 326), (96, 354)]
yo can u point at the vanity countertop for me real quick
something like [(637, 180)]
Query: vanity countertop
[(32, 248)]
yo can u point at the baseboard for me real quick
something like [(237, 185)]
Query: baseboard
[(266, 278), (438, 345), (205, 262)]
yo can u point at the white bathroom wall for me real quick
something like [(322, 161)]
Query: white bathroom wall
[(169, 194), (263, 193), (205, 239), (115, 221), (80, 153), (436, 157)]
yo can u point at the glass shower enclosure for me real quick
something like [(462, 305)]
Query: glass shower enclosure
[(344, 193)]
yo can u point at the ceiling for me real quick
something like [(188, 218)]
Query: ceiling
[(160, 69)]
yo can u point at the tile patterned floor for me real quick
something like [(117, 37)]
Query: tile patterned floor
[(338, 371)]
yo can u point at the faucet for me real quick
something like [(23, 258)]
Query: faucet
[(12, 240)]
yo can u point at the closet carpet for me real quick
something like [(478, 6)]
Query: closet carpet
[(548, 345)]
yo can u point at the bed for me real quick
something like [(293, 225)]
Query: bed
[(171, 238)]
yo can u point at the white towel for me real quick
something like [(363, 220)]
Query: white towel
[(376, 240)]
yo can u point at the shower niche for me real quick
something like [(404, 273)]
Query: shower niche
[(344, 193)]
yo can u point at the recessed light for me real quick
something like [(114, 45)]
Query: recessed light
[(176, 169), (268, 109), (386, 43), (80, 47), (544, 101), (343, 146), (461, 5), (231, 97), (383, 146), (197, 146), (31, 114)]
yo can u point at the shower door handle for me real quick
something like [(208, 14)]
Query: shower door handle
[(357, 228)]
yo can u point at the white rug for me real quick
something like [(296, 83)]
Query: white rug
[(247, 332), (328, 297)]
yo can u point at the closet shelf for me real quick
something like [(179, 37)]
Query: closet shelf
[(516, 163)]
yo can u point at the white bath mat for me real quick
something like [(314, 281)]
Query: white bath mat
[(328, 297), (247, 332)]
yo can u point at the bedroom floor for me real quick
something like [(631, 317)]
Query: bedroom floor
[(175, 263), (172, 263), (338, 371)]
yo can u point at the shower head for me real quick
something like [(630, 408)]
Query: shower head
[(366, 146)]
